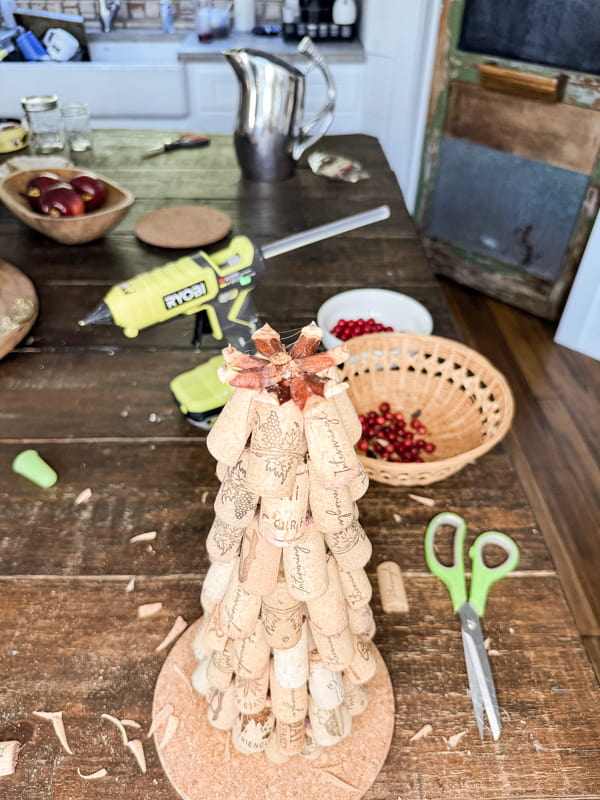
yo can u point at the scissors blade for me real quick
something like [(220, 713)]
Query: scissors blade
[(482, 688)]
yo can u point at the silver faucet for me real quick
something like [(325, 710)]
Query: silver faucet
[(108, 11)]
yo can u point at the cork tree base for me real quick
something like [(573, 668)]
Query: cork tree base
[(202, 764)]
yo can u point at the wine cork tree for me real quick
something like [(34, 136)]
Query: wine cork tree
[(284, 649)]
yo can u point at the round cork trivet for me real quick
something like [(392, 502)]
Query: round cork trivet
[(202, 764), (183, 226)]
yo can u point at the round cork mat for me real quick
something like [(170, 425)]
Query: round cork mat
[(183, 226), (202, 764)]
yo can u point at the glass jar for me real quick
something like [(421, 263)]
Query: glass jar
[(46, 133), (77, 126)]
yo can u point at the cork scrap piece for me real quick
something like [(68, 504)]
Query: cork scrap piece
[(9, 754), (391, 588)]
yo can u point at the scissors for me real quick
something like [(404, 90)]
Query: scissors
[(470, 610), (185, 140)]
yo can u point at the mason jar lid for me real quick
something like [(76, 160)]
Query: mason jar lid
[(44, 102)]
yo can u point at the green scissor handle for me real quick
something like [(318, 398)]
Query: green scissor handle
[(482, 576), (453, 577)]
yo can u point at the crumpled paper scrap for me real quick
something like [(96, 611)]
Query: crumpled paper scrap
[(336, 167)]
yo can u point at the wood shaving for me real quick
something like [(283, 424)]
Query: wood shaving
[(148, 609), (101, 773), (487, 642), (55, 718), (397, 518), (204, 496), (131, 723), (137, 748), (149, 536), (493, 652), (117, 723), (163, 714), (426, 501), (172, 725), (131, 584), (9, 753), (178, 627), (83, 497), (421, 733), (452, 741)]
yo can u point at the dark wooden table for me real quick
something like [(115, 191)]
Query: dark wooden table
[(97, 407)]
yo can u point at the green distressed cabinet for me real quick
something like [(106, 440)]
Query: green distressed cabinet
[(510, 174)]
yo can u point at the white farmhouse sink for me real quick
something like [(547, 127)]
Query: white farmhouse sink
[(125, 47), (131, 72)]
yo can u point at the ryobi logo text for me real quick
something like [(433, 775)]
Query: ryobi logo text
[(185, 295)]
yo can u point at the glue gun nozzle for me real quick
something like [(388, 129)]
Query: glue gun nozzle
[(99, 316)]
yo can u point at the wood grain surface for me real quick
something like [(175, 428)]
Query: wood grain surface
[(97, 407)]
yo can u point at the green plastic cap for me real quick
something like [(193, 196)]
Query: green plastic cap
[(32, 466)]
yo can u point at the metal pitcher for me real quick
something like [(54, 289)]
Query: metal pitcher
[(270, 135)]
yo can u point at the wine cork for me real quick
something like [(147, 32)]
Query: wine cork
[(239, 610), (332, 509), (357, 587), (251, 732), (325, 686), (291, 665), (332, 454), (351, 546), (210, 635), (215, 583), (362, 622), (235, 502), (224, 540), (221, 470), (391, 588), (290, 737), (220, 667), (198, 643), (230, 431), (328, 613), (360, 484), (200, 680), (277, 446), (221, 709), (305, 564), (251, 693), (259, 562), (251, 655), (364, 664), (282, 519), (337, 651), (356, 697), (329, 725), (273, 752), (281, 615), (338, 392), (289, 705), (311, 749)]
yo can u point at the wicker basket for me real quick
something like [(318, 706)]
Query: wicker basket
[(464, 402)]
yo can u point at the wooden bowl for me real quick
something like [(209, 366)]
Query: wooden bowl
[(464, 402), (67, 230)]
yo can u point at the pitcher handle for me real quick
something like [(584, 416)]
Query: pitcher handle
[(312, 130)]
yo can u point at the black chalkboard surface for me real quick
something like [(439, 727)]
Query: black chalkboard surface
[(558, 33)]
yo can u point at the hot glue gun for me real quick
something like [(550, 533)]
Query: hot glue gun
[(217, 289)]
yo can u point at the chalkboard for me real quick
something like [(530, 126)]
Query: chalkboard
[(557, 33)]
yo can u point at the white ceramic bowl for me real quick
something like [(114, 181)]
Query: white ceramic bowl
[(401, 312)]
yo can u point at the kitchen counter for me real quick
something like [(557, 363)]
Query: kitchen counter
[(97, 407)]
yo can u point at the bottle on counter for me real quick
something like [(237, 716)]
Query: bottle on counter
[(244, 15), (203, 21)]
